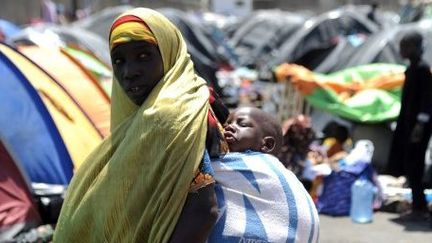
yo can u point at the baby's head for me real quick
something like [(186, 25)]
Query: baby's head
[(249, 128)]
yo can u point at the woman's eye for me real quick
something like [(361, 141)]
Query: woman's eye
[(118, 61), (143, 56)]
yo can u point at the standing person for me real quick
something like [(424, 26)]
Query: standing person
[(411, 137), (259, 199), (49, 11), (372, 12), (134, 186)]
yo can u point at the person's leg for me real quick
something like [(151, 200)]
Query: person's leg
[(415, 179), (395, 162), (419, 153), (414, 167)]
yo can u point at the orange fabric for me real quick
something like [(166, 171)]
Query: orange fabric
[(306, 81)]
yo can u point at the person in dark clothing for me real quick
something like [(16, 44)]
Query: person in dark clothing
[(411, 137), (372, 12)]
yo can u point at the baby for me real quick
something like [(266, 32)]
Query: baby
[(250, 128), (258, 198)]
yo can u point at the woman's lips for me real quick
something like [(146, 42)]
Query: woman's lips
[(136, 90)]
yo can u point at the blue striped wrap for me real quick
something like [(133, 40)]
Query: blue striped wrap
[(261, 201)]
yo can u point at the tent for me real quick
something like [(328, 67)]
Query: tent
[(203, 49), (18, 211), (383, 46), (319, 36), (28, 124), (263, 32), (8, 28), (77, 82), (45, 130), (99, 70), (100, 22), (49, 35)]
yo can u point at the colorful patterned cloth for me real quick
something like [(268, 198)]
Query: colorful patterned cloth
[(368, 93)]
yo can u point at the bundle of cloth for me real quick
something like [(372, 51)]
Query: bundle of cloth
[(261, 201)]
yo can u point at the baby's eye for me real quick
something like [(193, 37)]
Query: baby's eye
[(244, 124)]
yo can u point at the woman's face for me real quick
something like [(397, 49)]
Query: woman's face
[(138, 67)]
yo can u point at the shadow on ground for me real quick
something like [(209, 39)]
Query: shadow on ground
[(419, 225)]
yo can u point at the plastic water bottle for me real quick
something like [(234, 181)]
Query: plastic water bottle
[(362, 196)]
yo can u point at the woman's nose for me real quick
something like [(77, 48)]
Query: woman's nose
[(130, 71)]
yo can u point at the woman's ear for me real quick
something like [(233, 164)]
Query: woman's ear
[(268, 144)]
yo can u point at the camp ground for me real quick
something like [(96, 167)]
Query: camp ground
[(329, 65)]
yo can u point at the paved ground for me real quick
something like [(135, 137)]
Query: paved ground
[(383, 229)]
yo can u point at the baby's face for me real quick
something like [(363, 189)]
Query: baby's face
[(242, 132)]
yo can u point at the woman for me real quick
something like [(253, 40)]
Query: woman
[(133, 187)]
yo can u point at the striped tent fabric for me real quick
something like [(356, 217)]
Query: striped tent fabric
[(76, 129), (77, 82), (28, 130), (261, 201)]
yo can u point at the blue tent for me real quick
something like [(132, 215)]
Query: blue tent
[(8, 28), (27, 129)]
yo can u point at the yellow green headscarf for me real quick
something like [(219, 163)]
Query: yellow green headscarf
[(133, 186)]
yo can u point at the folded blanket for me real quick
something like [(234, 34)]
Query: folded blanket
[(261, 201)]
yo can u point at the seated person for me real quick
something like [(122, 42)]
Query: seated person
[(297, 139), (335, 145), (336, 139), (259, 199)]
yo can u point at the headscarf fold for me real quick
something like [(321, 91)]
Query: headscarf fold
[(130, 28), (133, 186)]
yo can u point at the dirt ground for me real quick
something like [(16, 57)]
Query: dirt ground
[(384, 228)]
